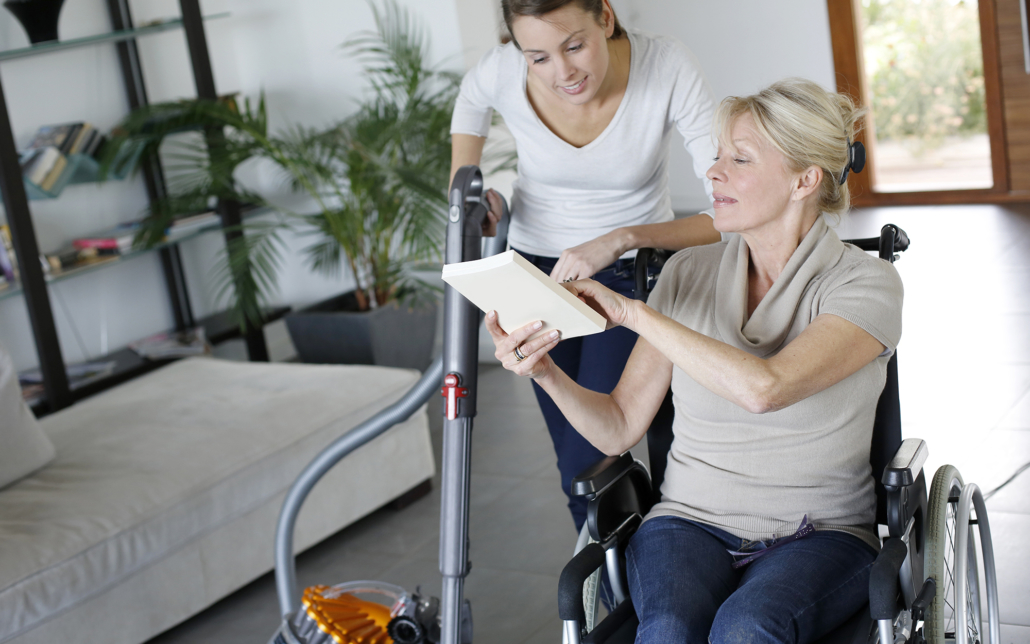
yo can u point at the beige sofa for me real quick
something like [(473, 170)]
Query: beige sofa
[(164, 492)]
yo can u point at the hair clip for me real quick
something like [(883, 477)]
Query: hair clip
[(856, 159)]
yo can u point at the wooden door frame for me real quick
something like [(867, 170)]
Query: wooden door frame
[(847, 62)]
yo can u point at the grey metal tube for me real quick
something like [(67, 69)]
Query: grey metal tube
[(285, 569)]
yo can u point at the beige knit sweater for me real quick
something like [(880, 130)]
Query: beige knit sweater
[(757, 475)]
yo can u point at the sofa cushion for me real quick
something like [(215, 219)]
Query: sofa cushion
[(148, 467), (25, 447)]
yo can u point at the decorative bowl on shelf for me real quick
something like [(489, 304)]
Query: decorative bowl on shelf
[(38, 17)]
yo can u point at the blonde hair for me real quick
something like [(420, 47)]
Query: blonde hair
[(808, 125)]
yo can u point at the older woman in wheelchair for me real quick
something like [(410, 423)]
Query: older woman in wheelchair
[(775, 344)]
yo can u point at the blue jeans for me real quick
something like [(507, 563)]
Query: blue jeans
[(684, 588), (595, 362)]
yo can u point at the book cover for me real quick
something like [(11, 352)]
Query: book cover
[(118, 239), (38, 168), (80, 138), (55, 173), (53, 135), (8, 258), (521, 293)]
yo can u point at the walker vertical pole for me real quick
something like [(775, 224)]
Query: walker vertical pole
[(460, 369)]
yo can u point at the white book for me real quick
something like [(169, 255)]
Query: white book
[(521, 293)]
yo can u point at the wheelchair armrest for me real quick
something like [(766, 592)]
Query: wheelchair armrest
[(907, 462), (623, 618), (570, 584), (883, 579), (601, 475)]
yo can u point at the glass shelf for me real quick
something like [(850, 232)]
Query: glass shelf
[(113, 36), (12, 289)]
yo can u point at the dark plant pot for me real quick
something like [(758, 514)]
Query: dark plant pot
[(335, 332), (38, 17)]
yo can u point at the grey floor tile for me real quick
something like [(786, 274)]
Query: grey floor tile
[(995, 460), (527, 529), (1019, 416), (550, 633), (1012, 634)]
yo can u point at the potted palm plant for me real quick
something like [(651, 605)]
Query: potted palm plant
[(375, 185)]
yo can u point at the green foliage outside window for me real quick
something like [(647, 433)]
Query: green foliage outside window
[(924, 65)]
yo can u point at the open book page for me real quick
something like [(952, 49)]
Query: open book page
[(521, 293)]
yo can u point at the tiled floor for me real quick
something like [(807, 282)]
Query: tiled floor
[(965, 386)]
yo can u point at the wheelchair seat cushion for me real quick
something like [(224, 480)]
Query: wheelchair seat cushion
[(757, 475)]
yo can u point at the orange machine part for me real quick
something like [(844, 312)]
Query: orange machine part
[(347, 619)]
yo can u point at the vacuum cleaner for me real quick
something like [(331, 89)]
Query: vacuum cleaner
[(371, 612)]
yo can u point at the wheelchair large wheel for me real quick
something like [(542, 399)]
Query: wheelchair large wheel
[(951, 560)]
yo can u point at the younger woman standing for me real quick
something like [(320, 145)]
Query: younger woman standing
[(592, 108)]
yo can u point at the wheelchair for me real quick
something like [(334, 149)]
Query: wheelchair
[(924, 585)]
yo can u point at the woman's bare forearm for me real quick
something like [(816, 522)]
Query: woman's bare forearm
[(696, 230), (466, 149), (596, 416)]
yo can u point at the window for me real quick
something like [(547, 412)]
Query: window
[(927, 71)]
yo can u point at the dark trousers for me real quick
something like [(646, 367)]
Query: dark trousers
[(684, 588), (595, 362)]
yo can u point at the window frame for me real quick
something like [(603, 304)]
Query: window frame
[(847, 62)]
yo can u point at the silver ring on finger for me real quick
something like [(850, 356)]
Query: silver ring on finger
[(519, 356)]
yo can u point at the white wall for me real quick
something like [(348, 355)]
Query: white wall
[(288, 48), (742, 45)]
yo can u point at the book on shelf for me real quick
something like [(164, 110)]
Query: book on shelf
[(45, 159), (192, 223), (79, 374), (37, 163), (174, 344), (8, 258), (55, 136), (71, 258), (55, 172), (117, 239), (521, 293)]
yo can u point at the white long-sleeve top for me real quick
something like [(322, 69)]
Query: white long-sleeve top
[(564, 195)]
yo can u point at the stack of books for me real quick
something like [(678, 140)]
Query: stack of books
[(46, 158), (109, 244)]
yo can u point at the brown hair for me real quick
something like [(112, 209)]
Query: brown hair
[(512, 9)]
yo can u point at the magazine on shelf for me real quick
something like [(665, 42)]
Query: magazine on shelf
[(174, 344), (79, 374), (521, 293)]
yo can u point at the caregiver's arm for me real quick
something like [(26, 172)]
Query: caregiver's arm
[(467, 149), (583, 261)]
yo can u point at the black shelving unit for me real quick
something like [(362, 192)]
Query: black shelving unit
[(33, 283)]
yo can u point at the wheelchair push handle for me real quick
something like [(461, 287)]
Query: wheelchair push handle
[(892, 240)]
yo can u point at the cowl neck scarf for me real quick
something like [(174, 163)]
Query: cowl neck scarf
[(766, 330)]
